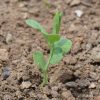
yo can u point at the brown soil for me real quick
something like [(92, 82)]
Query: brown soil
[(77, 77)]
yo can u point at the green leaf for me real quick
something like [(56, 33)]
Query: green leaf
[(60, 48), (64, 44), (39, 60), (36, 25), (57, 56), (57, 23), (52, 38)]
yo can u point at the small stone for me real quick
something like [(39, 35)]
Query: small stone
[(77, 44), (92, 86), (26, 85), (54, 93), (41, 96), (94, 76), (71, 84), (97, 57), (79, 13), (75, 2), (55, 88), (5, 73), (9, 38), (65, 76), (88, 46), (83, 83), (77, 73), (3, 54), (25, 15), (66, 95), (61, 75), (21, 5), (25, 77), (72, 28), (95, 54)]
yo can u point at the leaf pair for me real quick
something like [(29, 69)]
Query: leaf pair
[(50, 38)]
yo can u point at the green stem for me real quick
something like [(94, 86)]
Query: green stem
[(45, 78), (45, 72)]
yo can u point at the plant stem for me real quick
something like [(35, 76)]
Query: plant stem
[(45, 78), (45, 72)]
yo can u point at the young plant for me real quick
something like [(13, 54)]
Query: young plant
[(58, 45)]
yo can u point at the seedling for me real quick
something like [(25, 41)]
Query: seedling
[(58, 45)]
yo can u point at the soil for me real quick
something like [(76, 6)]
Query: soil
[(76, 77)]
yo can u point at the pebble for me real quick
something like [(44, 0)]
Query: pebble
[(94, 76), (21, 5), (77, 73), (75, 2), (92, 86), (88, 46), (55, 88), (26, 85), (25, 15), (9, 38), (3, 54), (79, 13), (72, 28), (65, 76), (76, 47), (5, 73), (66, 95), (71, 84), (83, 83), (54, 93), (95, 54)]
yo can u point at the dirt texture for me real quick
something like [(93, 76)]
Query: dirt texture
[(76, 77)]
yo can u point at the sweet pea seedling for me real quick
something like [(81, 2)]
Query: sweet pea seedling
[(59, 46)]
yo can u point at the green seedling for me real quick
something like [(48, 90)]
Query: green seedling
[(58, 45)]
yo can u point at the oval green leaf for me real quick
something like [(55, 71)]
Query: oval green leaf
[(64, 44), (36, 25), (57, 56), (57, 23), (39, 59)]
